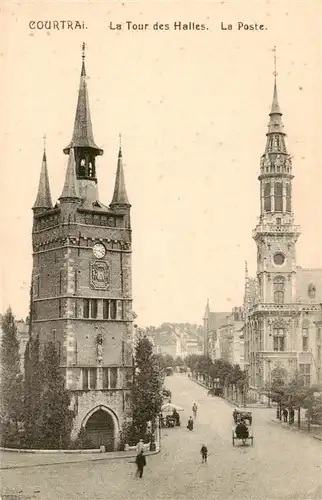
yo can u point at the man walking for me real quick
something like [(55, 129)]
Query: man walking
[(140, 463), (194, 410), (204, 453)]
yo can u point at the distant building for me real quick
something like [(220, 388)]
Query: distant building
[(229, 345), (284, 302), (212, 321)]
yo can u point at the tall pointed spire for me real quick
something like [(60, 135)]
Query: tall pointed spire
[(207, 311), (275, 143), (70, 189), (83, 131), (43, 199), (120, 195), (275, 110)]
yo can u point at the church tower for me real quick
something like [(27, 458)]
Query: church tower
[(81, 282), (276, 234), (270, 339)]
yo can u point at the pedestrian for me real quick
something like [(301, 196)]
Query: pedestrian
[(190, 424), (235, 414), (285, 414), (204, 453), (291, 419), (140, 446), (140, 463), (194, 410)]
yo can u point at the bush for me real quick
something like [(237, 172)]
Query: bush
[(9, 434), (82, 442)]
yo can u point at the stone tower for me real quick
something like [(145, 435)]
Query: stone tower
[(275, 234), (270, 338), (81, 283)]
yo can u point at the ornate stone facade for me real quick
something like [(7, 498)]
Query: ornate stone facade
[(283, 302), (82, 291)]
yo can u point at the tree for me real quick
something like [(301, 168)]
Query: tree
[(147, 387), (32, 389), (54, 419), (277, 387), (11, 408)]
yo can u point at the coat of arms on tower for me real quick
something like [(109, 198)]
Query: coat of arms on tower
[(99, 275)]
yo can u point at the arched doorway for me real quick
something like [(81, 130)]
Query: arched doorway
[(100, 428)]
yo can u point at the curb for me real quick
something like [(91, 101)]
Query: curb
[(296, 429), (50, 452), (102, 456)]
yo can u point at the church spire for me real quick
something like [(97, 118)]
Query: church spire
[(70, 189), (43, 200), (276, 165), (120, 195), (83, 130)]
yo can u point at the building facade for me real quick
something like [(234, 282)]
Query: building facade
[(212, 321), (81, 283), (283, 302)]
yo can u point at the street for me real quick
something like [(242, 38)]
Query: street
[(282, 464)]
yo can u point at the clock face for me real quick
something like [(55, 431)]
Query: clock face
[(99, 250)]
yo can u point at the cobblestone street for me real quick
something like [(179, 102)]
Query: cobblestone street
[(281, 465)]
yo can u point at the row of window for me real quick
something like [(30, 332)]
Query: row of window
[(109, 309), (110, 378), (276, 189), (279, 340)]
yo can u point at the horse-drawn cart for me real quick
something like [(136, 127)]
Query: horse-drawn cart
[(242, 429)]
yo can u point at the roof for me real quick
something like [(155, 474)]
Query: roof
[(43, 199), (70, 189), (217, 319), (83, 130), (120, 195)]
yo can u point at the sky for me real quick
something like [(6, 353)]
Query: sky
[(192, 107)]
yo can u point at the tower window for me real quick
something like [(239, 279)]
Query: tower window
[(85, 379), (92, 378), (278, 221), (93, 308), (113, 309), (267, 197), (109, 309), (279, 289), (278, 193), (86, 308), (113, 378), (288, 198), (90, 308), (305, 343), (278, 339)]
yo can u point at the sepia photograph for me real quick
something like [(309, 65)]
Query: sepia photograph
[(161, 250)]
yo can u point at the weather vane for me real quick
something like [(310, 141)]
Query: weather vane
[(83, 51), (44, 138), (120, 139), (275, 71)]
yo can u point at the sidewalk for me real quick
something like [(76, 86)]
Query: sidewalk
[(234, 403), (16, 460), (312, 433)]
